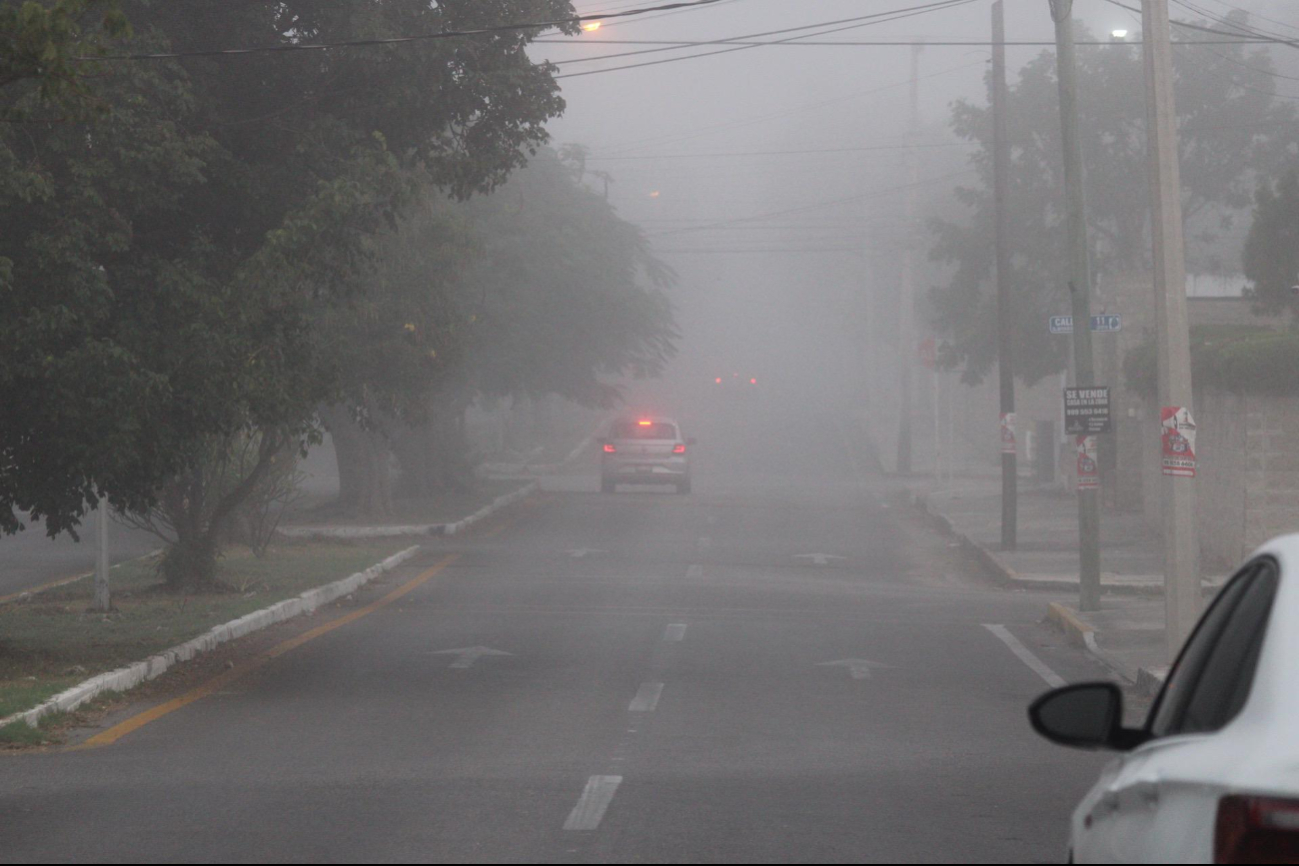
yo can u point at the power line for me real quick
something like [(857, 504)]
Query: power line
[(816, 205), (897, 15), (735, 153), (744, 40), (398, 40), (618, 150)]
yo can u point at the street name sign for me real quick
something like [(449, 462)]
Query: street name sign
[(1100, 324), (1087, 411)]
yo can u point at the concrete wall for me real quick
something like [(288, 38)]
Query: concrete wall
[(1248, 484)]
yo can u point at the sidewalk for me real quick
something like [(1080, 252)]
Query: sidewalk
[(1128, 633)]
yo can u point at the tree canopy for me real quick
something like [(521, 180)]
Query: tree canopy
[(170, 230), (1233, 132)]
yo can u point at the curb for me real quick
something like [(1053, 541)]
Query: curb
[(1007, 577), (1079, 632), (434, 529), (1150, 681), (134, 674)]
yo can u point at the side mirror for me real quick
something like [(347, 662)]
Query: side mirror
[(1084, 716)]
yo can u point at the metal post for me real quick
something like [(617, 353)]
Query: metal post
[(1181, 548), (906, 315), (102, 602), (1080, 286), (1005, 305)]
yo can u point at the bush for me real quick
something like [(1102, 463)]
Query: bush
[(1236, 359)]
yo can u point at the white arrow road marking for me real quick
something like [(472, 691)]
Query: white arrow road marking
[(647, 699), (820, 558), (595, 799), (859, 668), (583, 552), (675, 632), (1038, 667), (469, 655)]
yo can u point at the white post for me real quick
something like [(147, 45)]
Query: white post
[(102, 600)]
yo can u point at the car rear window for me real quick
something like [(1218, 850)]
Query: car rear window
[(636, 430)]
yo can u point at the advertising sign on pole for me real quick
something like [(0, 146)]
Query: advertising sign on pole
[(1008, 445), (1086, 411), (1178, 435), (1089, 475)]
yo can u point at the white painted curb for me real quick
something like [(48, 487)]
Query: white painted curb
[(132, 675), (355, 532)]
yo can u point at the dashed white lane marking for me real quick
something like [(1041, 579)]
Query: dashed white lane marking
[(647, 698), (675, 632), (1039, 667), (595, 799), (695, 571)]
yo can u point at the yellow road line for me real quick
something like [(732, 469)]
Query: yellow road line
[(115, 733)]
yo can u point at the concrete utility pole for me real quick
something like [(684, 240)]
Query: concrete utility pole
[(1080, 287), (102, 602), (1181, 547), (907, 314), (1005, 349)]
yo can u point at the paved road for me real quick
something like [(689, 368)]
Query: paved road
[(680, 686), (31, 558)]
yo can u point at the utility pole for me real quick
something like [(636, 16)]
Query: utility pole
[(907, 313), (102, 602), (1181, 548), (1080, 287), (1005, 348)]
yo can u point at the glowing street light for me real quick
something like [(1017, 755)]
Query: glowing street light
[(1119, 35), (592, 26)]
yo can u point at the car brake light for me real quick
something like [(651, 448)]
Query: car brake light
[(678, 449), (609, 448), (1256, 830), (753, 381), (644, 423)]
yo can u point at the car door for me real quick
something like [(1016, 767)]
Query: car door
[(1159, 804)]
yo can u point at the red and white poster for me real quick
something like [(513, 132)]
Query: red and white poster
[(1177, 430), (1008, 433), (1089, 472)]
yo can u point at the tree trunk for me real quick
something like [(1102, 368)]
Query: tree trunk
[(364, 476)]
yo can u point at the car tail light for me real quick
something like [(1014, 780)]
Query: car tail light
[(609, 448), (1256, 830), (678, 449)]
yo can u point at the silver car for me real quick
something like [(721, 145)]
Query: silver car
[(645, 451)]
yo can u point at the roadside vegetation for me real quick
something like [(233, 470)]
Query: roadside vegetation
[(50, 641), (208, 261)]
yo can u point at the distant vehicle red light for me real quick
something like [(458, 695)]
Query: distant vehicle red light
[(678, 449), (719, 380), (609, 448), (753, 381), (644, 423)]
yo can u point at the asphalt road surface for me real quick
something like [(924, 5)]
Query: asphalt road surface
[(776, 668)]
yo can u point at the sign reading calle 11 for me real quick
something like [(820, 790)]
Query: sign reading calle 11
[(1100, 324)]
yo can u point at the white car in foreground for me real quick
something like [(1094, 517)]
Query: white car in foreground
[(1213, 776)]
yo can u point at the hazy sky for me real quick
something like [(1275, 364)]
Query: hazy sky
[(761, 238)]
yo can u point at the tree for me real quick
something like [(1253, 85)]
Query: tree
[(1233, 130), (163, 260), (538, 288), (1271, 256)]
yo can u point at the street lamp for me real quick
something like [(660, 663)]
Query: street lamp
[(1119, 35)]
